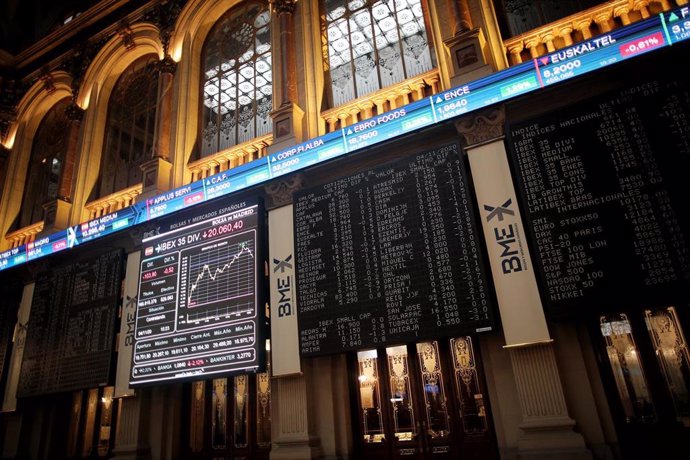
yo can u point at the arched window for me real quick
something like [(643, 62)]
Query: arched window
[(129, 133), (46, 163), (374, 44), (519, 16), (236, 79)]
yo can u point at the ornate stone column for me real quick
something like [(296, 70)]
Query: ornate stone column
[(287, 118), (56, 213), (156, 171), (133, 420), (460, 12), (467, 47), (292, 407), (546, 427)]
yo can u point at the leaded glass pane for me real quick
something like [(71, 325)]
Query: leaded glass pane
[(45, 166), (468, 390), (437, 421), (671, 348), (627, 369), (237, 81), (219, 413), (130, 128), (241, 422), (263, 408), (404, 423), (372, 45), (370, 396), (196, 416)]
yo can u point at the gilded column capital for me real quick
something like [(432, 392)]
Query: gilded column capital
[(483, 127), (280, 192)]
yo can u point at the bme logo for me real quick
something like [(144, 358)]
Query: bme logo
[(506, 237), (284, 286)]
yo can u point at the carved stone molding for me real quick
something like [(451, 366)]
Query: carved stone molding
[(77, 63), (280, 192), (483, 127), (126, 34), (11, 92), (167, 65), (164, 15), (47, 80)]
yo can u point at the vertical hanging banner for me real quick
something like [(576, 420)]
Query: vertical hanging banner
[(521, 310), (9, 401), (284, 333), (125, 345)]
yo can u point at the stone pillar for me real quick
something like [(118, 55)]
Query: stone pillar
[(287, 118), (56, 213), (546, 427), (467, 47), (460, 12), (131, 438), (293, 429), (74, 115), (292, 436), (166, 75)]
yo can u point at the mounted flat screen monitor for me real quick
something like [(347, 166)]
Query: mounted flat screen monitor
[(199, 309)]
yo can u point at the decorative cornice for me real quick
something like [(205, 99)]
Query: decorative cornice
[(280, 192), (483, 127), (283, 6)]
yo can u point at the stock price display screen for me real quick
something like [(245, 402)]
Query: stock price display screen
[(198, 296), (390, 255), (604, 184)]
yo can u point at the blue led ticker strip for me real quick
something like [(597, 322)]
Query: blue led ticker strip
[(645, 36)]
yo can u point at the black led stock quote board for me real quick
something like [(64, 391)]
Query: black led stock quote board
[(71, 330), (199, 308), (605, 189), (389, 255)]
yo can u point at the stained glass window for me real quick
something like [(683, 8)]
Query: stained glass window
[(45, 165), (374, 44), (236, 80), (130, 127)]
